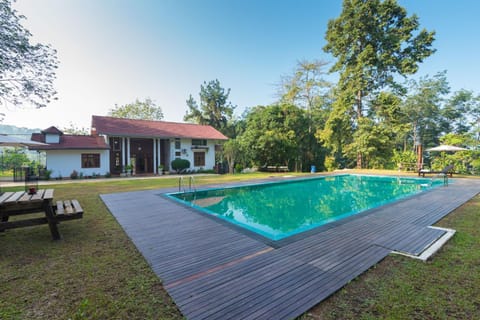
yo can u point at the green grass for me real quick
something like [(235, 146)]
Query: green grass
[(445, 287), (95, 272)]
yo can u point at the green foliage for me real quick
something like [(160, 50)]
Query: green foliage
[(373, 41), (142, 110), (305, 87), (214, 109), (462, 112), (404, 160), (422, 108), (374, 141), (74, 174), (331, 164), (27, 70), (14, 158), (274, 135), (73, 129), (47, 174), (232, 151), (180, 165)]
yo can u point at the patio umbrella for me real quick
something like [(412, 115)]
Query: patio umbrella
[(446, 148), (11, 141)]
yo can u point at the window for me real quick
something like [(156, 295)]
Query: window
[(90, 160), (117, 146), (199, 142), (199, 159), (178, 145), (178, 154)]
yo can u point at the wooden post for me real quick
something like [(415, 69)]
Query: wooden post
[(419, 157)]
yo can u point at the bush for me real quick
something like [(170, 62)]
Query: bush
[(179, 165), (74, 174), (330, 164), (238, 168), (47, 174)]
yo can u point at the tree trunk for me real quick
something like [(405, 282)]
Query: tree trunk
[(359, 116)]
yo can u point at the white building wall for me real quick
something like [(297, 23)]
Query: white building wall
[(186, 152), (63, 162)]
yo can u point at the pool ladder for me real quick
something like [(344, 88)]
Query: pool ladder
[(182, 184)]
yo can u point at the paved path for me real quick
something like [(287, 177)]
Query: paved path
[(213, 271)]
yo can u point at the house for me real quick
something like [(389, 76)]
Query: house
[(115, 143)]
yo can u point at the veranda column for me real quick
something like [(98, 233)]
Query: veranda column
[(158, 152), (123, 153), (154, 155), (128, 150)]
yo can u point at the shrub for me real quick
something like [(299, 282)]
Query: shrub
[(330, 164), (47, 174), (74, 174), (180, 165)]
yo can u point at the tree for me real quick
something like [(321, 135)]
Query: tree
[(422, 109), (27, 70), (214, 108), (305, 87), (274, 135), (231, 152), (142, 110), (462, 111), (373, 41), (73, 129)]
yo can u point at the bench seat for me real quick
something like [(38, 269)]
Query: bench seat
[(67, 210), (277, 168)]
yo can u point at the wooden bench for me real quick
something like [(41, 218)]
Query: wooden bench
[(277, 169), (20, 203), (448, 170), (67, 210)]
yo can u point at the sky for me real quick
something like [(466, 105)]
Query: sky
[(112, 52)]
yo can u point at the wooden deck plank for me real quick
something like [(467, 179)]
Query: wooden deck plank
[(216, 272)]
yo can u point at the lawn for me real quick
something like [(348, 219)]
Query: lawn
[(95, 272)]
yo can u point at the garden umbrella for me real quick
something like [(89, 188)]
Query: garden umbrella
[(11, 141), (446, 148)]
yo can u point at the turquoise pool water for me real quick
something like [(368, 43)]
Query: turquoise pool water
[(282, 209)]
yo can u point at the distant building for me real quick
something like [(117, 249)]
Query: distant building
[(115, 143)]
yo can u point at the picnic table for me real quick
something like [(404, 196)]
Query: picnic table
[(41, 202)]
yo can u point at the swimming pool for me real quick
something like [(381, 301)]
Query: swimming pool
[(281, 209)]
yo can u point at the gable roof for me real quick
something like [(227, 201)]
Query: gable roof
[(52, 130), (70, 142), (150, 128)]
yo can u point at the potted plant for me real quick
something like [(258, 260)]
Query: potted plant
[(161, 170), (129, 168)]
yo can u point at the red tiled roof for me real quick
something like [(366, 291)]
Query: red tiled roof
[(149, 128), (68, 141), (52, 130)]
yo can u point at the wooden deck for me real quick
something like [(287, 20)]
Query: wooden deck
[(213, 271)]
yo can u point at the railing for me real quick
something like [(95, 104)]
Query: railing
[(182, 184)]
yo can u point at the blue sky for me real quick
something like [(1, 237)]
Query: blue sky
[(114, 51)]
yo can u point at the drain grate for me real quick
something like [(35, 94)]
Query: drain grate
[(433, 247)]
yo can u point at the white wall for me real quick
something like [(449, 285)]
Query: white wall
[(187, 153), (63, 162)]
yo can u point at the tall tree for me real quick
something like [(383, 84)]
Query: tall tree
[(143, 110), (73, 129), (462, 111), (373, 41), (306, 88), (27, 70), (214, 108), (274, 135), (422, 109)]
